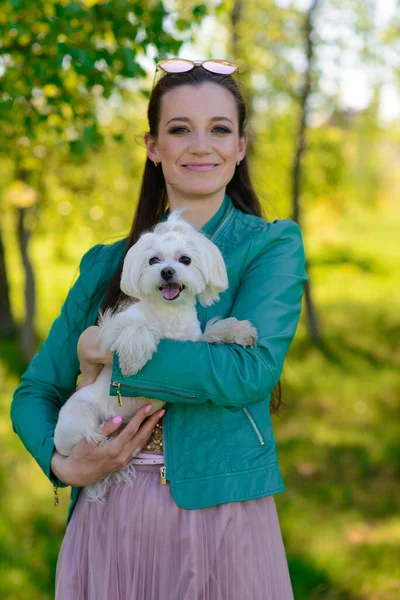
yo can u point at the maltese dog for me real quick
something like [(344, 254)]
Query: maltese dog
[(163, 274)]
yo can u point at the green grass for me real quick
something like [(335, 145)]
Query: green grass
[(337, 439)]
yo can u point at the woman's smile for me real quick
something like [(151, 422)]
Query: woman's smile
[(200, 167)]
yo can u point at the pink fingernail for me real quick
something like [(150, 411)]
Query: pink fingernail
[(117, 420), (162, 413), (148, 408)]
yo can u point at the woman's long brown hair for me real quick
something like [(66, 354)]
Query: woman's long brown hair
[(153, 200)]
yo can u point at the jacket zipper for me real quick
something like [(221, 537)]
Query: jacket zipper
[(253, 423), (163, 474), (55, 494), (117, 385), (163, 469)]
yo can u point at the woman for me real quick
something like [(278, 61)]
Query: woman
[(211, 532)]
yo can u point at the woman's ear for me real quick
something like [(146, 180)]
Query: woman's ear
[(243, 141), (151, 145)]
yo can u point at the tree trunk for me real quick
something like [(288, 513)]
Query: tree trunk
[(236, 16), (237, 53), (27, 330), (7, 324), (297, 165)]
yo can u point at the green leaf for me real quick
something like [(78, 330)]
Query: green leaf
[(200, 11)]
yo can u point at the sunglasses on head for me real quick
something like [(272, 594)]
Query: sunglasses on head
[(182, 65)]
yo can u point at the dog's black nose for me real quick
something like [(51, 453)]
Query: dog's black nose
[(167, 273)]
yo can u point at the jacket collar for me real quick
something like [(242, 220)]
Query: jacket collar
[(212, 226)]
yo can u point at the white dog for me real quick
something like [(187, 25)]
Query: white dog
[(165, 271)]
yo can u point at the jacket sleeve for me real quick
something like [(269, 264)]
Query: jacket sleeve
[(229, 375), (51, 375)]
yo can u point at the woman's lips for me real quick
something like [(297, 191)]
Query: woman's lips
[(200, 167)]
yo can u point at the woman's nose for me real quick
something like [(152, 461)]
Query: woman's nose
[(200, 145)]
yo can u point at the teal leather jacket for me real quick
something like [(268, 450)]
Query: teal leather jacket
[(218, 439)]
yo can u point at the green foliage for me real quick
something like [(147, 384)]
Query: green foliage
[(71, 53), (339, 445)]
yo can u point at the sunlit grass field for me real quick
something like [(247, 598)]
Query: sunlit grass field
[(337, 438)]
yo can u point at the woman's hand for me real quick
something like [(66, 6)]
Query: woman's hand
[(91, 359), (88, 463)]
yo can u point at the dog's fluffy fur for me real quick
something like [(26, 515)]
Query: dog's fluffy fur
[(165, 271)]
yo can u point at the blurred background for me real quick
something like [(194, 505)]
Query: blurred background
[(322, 80)]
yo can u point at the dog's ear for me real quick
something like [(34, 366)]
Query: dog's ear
[(214, 271), (132, 268)]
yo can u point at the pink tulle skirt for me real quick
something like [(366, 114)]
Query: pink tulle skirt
[(141, 546)]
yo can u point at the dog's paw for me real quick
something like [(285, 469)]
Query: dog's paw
[(130, 365), (135, 349), (245, 334), (230, 331)]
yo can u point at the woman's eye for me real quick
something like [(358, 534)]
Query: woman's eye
[(153, 260), (185, 260), (221, 129), (178, 130)]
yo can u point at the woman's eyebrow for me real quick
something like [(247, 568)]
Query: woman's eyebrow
[(222, 119), (186, 119), (178, 119)]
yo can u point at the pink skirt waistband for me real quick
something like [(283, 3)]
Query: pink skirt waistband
[(148, 458), (148, 468)]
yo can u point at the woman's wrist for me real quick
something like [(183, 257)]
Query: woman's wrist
[(59, 467)]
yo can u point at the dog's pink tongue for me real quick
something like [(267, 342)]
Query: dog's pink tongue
[(170, 292)]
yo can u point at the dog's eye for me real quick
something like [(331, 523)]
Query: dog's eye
[(185, 260), (154, 260)]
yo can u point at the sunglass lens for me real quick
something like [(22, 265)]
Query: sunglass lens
[(220, 67), (176, 65)]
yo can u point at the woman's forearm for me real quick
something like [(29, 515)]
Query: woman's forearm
[(91, 358)]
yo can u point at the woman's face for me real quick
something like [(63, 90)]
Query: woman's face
[(198, 142)]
